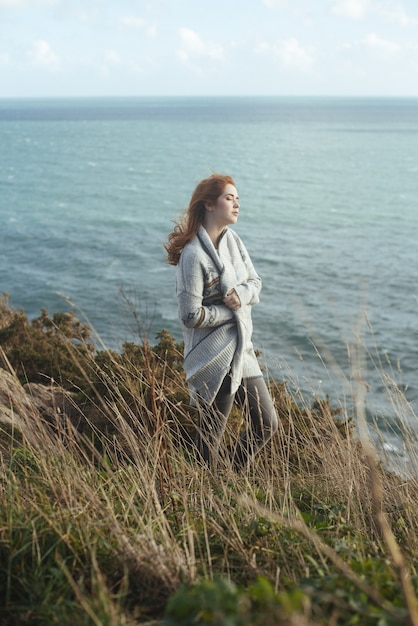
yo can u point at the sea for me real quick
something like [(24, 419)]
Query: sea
[(90, 189)]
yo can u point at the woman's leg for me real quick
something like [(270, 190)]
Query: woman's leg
[(212, 423), (257, 404)]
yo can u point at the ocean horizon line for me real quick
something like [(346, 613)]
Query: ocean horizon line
[(288, 97)]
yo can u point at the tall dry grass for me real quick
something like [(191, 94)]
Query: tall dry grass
[(103, 518)]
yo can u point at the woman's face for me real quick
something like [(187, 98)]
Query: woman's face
[(226, 208)]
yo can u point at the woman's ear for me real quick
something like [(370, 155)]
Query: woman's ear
[(208, 206)]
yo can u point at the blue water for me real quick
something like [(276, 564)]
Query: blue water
[(328, 188)]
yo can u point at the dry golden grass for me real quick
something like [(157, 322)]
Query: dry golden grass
[(105, 516)]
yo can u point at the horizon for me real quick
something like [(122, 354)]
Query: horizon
[(215, 97)]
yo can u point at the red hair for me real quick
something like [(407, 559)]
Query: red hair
[(206, 192)]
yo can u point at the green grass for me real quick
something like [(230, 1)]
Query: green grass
[(106, 517)]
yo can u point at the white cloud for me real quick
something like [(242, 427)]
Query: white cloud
[(293, 54), (274, 4), (290, 54), (4, 59), (42, 55), (380, 45), (193, 46), (375, 44), (351, 9), (395, 13), (390, 10), (140, 24), (25, 4), (112, 57), (111, 60)]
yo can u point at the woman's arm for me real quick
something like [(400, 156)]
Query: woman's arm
[(249, 290), (190, 289)]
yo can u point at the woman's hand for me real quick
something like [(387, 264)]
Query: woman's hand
[(232, 300)]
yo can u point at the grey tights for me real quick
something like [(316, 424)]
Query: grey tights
[(255, 401)]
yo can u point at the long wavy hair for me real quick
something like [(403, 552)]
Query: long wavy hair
[(206, 192)]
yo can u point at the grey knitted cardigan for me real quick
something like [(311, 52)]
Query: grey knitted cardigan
[(217, 341)]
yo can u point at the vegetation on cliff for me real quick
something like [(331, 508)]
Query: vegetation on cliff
[(107, 518)]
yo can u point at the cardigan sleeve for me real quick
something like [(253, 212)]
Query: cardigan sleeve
[(190, 289), (249, 290)]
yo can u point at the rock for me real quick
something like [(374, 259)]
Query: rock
[(53, 402), (15, 404), (24, 405)]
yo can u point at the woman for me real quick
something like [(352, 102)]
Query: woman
[(217, 286)]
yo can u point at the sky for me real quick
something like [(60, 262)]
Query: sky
[(60, 48)]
